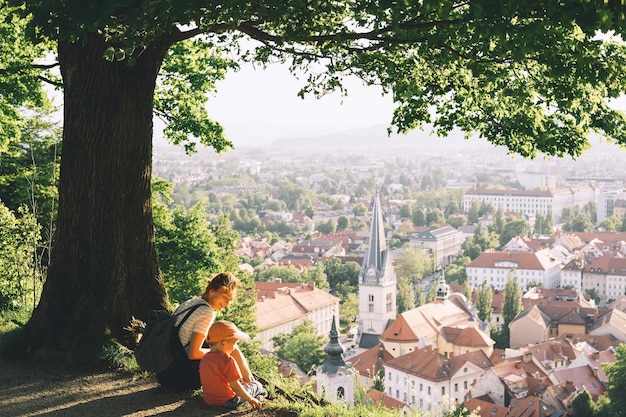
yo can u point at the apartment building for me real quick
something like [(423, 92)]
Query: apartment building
[(541, 268), (444, 243), (533, 202), (283, 306)]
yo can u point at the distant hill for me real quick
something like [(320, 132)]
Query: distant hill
[(376, 137)]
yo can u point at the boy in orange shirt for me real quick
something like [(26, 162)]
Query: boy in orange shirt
[(222, 383)]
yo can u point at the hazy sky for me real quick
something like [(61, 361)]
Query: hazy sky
[(262, 105), (257, 106)]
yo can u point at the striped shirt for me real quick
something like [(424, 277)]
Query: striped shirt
[(199, 321)]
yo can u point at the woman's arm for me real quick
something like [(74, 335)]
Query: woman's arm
[(195, 351)]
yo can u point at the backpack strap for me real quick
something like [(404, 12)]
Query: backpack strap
[(188, 311)]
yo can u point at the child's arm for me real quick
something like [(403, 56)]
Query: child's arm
[(244, 368), (241, 392)]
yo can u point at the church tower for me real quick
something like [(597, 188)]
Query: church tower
[(377, 281), (335, 378)]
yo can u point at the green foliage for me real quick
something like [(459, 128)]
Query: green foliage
[(188, 74), (406, 297), (467, 291), (378, 381), (420, 296), (343, 223), (413, 262), (348, 311), (432, 293), (292, 274), (119, 358), (303, 346), (484, 301), (482, 240), (583, 405), (456, 220), (327, 228), (616, 383), (317, 276), (610, 224), (455, 272), (343, 279), (20, 274), (419, 217), (191, 250), (593, 294), (435, 217), (30, 168), (360, 210), (341, 410), (28, 179), (512, 303), (187, 249), (513, 228), (576, 220), (20, 81)]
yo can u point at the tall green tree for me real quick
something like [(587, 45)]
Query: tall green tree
[(511, 304), (616, 382), (406, 295), (484, 301), (419, 217), (533, 77), (472, 212)]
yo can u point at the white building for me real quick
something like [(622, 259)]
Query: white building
[(430, 381), (531, 202), (283, 306), (540, 267)]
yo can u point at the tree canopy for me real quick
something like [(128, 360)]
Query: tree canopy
[(533, 76)]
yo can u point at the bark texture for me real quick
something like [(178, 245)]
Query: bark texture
[(104, 267)]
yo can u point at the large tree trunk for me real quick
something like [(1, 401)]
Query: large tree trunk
[(104, 267)]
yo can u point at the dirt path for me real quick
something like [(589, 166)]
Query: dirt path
[(29, 391)]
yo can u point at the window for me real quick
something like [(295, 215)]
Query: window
[(371, 308), (456, 387), (371, 298), (443, 390), (428, 390), (464, 384)]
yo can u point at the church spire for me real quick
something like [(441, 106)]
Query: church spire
[(334, 350), (335, 379), (378, 243), (377, 281)]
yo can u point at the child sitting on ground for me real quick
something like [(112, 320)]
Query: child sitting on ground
[(221, 379)]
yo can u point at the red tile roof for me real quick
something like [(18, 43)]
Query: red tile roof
[(386, 400)]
